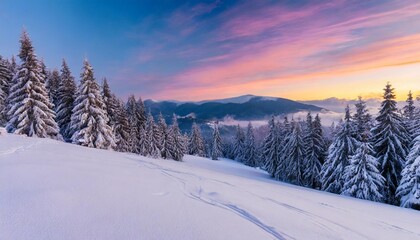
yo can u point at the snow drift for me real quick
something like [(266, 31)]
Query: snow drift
[(53, 190)]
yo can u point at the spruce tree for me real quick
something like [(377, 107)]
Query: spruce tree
[(271, 148), (250, 151), (216, 143), (65, 99), (13, 68), (31, 112), (89, 119), (5, 79), (314, 151), (134, 117), (293, 156), (391, 142), (165, 141), (111, 102), (121, 128), (176, 142), (409, 115), (152, 134), (239, 144), (196, 144), (408, 190), (52, 83), (362, 178), (284, 130), (362, 119), (339, 153)]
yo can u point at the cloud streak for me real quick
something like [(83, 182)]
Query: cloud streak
[(216, 50)]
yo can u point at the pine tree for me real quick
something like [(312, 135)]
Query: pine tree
[(65, 99), (314, 151), (165, 148), (196, 144), (339, 153), (293, 156), (153, 136), (239, 144), (271, 148), (185, 142), (409, 115), (176, 142), (135, 125), (409, 189), (5, 79), (89, 119), (13, 68), (391, 142), (44, 72), (111, 102), (52, 84), (121, 128), (362, 178), (31, 111), (216, 143), (250, 152), (228, 150), (142, 112), (143, 144), (362, 119)]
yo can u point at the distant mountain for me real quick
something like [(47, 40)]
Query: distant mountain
[(246, 107)]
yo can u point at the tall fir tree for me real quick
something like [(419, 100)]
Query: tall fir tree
[(134, 117), (196, 144), (216, 143), (271, 148), (165, 141), (408, 190), (31, 112), (65, 98), (111, 102), (362, 119), (293, 157), (176, 142), (5, 79), (314, 151), (362, 178), (409, 115), (89, 119), (239, 144), (339, 153), (152, 133), (13, 68), (250, 151), (391, 143), (121, 128), (52, 83)]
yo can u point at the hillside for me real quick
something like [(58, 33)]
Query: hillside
[(247, 107), (54, 190)]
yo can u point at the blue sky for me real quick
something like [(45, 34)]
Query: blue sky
[(192, 50)]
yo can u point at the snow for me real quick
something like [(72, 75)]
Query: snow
[(55, 190), (239, 99)]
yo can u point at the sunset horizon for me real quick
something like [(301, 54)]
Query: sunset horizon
[(198, 50)]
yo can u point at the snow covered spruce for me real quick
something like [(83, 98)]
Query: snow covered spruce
[(375, 159)]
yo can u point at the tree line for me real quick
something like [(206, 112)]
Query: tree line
[(376, 159)]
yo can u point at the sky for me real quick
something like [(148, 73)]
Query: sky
[(195, 50)]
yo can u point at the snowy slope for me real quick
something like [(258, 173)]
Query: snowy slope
[(54, 190)]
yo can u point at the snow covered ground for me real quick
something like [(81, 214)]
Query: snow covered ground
[(54, 190)]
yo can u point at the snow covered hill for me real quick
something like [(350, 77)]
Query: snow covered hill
[(54, 190)]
